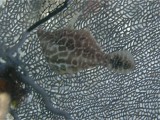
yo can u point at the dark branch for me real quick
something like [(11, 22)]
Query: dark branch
[(25, 34), (56, 11), (28, 80)]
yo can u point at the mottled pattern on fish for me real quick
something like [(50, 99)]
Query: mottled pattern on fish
[(69, 51)]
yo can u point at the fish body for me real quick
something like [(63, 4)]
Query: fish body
[(69, 51)]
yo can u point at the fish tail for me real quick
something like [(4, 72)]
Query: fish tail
[(121, 62)]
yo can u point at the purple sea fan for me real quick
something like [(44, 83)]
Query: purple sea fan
[(69, 51)]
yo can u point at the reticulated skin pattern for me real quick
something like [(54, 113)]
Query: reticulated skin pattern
[(69, 50)]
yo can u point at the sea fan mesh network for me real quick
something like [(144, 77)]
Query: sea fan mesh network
[(97, 93)]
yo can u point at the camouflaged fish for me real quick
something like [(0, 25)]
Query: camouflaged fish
[(70, 50)]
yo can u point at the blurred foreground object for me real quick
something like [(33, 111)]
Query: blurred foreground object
[(4, 105), (11, 91)]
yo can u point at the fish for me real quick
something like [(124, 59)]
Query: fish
[(69, 50)]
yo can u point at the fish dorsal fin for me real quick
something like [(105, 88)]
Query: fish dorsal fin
[(73, 20)]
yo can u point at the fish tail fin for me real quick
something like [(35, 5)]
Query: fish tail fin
[(121, 62)]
